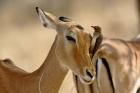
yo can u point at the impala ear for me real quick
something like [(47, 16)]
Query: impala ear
[(47, 19)]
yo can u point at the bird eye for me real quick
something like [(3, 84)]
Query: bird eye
[(70, 38)]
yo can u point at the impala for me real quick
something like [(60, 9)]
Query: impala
[(117, 67), (70, 49)]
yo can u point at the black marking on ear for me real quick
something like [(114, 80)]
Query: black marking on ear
[(64, 19), (37, 10)]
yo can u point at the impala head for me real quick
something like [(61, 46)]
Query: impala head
[(72, 46)]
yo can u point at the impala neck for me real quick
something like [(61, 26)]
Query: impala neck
[(51, 74)]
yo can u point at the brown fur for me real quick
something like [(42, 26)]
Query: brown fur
[(15, 80), (123, 59), (48, 78)]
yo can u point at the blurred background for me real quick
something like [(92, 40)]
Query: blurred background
[(24, 40)]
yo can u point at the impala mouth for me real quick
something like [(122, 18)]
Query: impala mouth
[(86, 79), (88, 76)]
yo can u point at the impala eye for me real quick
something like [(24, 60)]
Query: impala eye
[(70, 38)]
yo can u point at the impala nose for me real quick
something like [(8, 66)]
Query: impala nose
[(88, 77), (89, 73)]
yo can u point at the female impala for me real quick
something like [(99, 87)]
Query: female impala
[(70, 48), (73, 45)]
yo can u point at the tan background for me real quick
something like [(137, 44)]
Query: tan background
[(24, 40)]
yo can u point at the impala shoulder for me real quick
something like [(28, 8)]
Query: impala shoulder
[(112, 47)]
